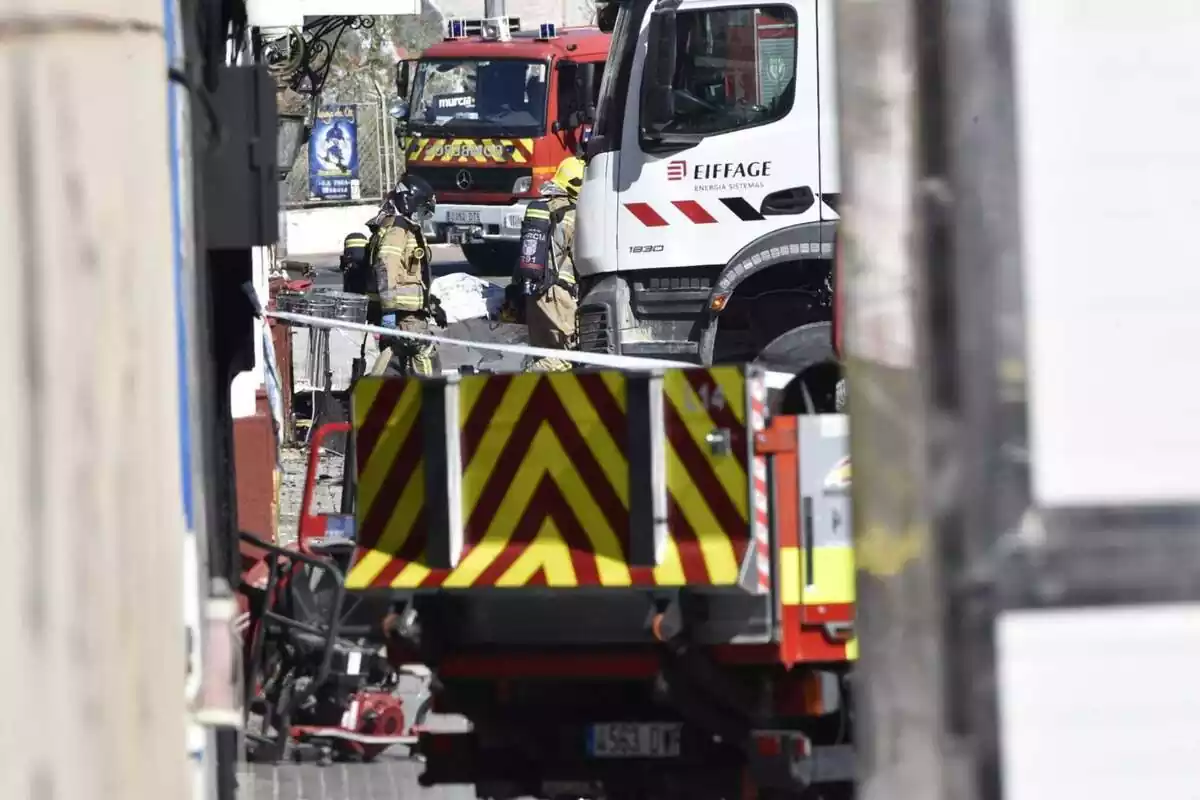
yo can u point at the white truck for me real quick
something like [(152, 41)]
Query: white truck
[(707, 220)]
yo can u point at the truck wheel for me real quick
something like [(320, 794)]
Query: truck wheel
[(491, 258), (807, 353)]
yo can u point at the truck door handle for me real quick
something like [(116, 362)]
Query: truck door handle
[(795, 200), (807, 524)]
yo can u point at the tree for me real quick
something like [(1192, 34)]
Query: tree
[(364, 59)]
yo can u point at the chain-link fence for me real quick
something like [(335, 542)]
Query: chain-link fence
[(379, 159)]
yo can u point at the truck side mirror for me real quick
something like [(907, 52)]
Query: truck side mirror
[(402, 80), (606, 16), (585, 92), (658, 99), (568, 91)]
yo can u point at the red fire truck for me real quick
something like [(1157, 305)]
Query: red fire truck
[(487, 115)]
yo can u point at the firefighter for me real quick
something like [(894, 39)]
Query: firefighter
[(400, 259), (546, 268), (357, 278)]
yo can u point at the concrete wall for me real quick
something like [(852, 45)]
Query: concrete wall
[(90, 600), (320, 230)]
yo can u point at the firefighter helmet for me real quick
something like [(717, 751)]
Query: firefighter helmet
[(569, 176), (413, 197)]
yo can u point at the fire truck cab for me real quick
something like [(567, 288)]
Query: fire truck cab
[(487, 115)]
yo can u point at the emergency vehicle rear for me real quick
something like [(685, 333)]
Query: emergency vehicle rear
[(631, 584)]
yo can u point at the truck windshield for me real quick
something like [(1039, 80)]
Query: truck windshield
[(474, 97), (610, 107)]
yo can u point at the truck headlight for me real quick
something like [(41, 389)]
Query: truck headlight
[(523, 184)]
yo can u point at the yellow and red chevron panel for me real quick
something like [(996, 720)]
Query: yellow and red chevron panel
[(422, 150), (546, 483), (389, 458), (698, 403), (816, 554)]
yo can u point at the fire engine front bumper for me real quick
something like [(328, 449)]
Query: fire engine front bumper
[(459, 223)]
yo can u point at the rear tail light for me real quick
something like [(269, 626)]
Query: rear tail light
[(769, 745)]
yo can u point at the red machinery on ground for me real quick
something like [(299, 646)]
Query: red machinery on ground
[(316, 675)]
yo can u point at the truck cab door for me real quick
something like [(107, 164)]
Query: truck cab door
[(401, 106), (745, 89)]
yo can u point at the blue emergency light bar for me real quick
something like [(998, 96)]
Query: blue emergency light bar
[(547, 31), (465, 28)]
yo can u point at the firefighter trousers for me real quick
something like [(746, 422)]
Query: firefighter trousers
[(400, 356), (551, 318)]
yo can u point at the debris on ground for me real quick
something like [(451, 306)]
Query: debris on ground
[(327, 497)]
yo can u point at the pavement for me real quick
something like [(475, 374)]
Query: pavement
[(390, 777)]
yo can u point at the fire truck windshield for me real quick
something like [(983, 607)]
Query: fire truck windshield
[(474, 97)]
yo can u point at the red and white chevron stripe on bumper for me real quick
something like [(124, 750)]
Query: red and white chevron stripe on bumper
[(727, 209), (757, 392)]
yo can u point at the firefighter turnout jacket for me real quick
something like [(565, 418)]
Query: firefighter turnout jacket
[(400, 261)]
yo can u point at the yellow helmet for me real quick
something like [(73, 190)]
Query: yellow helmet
[(569, 176)]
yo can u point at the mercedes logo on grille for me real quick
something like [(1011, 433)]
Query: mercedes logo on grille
[(463, 180)]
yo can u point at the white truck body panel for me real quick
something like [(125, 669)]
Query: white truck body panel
[(827, 105)]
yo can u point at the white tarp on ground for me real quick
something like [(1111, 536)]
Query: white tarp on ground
[(464, 296)]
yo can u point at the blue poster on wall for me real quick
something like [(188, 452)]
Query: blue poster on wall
[(333, 154)]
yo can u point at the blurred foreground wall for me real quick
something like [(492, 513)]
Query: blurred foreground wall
[(92, 656)]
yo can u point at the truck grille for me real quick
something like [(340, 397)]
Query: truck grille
[(591, 324), (483, 179), (675, 293)]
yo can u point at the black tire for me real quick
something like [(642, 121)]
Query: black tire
[(807, 353), (491, 258)]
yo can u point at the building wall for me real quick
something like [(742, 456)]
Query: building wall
[(246, 385), (90, 602)]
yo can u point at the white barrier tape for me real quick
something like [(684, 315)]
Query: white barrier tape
[(774, 380)]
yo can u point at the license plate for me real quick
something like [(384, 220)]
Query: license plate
[(634, 740), (463, 217), (339, 527)]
